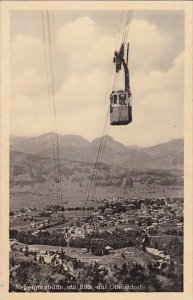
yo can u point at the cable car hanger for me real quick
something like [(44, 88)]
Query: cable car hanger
[(120, 100)]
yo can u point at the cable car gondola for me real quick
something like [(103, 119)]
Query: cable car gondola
[(120, 101)]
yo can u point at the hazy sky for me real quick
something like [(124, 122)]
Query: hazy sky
[(83, 44)]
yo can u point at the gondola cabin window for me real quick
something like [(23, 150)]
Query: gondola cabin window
[(122, 99), (114, 101), (119, 99)]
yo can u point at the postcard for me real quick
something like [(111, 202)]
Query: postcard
[(96, 149)]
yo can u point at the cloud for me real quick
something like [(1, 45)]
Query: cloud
[(32, 116), (29, 82), (84, 45), (80, 91), (79, 105), (26, 53), (156, 81), (83, 63), (148, 44)]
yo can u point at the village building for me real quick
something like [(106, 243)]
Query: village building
[(77, 232), (109, 249)]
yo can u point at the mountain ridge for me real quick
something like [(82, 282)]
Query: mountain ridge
[(76, 148)]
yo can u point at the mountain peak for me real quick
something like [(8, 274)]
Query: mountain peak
[(106, 138)]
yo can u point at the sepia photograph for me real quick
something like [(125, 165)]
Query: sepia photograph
[(96, 156)]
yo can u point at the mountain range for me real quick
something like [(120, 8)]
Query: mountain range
[(167, 155)]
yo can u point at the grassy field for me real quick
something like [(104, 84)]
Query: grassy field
[(74, 195)]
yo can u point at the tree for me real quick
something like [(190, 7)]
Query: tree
[(35, 256), (26, 253), (156, 245), (124, 270)]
